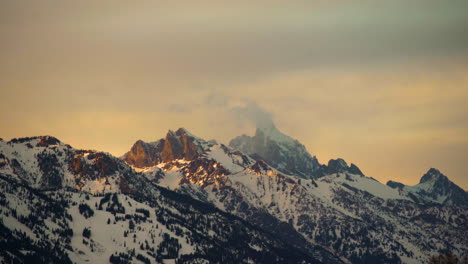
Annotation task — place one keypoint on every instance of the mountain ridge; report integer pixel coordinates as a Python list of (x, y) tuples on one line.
[(101, 206), (252, 190), (285, 153), (342, 216)]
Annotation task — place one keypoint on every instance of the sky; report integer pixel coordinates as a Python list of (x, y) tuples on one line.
[(382, 84)]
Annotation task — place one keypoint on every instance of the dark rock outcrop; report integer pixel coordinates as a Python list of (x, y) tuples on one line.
[(46, 141), (395, 185), (280, 151), (260, 167), (433, 175), (340, 166)]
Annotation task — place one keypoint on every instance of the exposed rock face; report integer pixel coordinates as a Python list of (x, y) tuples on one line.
[(204, 172), (144, 154), (177, 145), (260, 167), (433, 175), (288, 155), (280, 151), (395, 185), (93, 166), (46, 141), (339, 165), (180, 145)]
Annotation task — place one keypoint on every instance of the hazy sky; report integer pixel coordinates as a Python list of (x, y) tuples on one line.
[(382, 84)]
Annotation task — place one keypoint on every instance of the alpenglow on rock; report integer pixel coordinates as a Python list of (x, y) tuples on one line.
[(180, 144), (280, 151)]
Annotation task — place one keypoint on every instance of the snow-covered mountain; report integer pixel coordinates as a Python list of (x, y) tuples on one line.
[(47, 163), (358, 218), (59, 204), (281, 151), (434, 187), (287, 154), (185, 199)]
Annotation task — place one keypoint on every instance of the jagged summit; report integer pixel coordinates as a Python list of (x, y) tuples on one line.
[(179, 144), (274, 134), (432, 175), (144, 154), (340, 165), (280, 151), (287, 155), (434, 186)]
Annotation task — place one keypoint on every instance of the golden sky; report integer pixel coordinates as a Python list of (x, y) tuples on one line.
[(382, 84)]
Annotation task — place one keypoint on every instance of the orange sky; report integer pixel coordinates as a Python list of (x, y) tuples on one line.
[(384, 87)]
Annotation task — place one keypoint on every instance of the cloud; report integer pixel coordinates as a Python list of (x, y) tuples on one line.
[(216, 100), (179, 108), (252, 113)]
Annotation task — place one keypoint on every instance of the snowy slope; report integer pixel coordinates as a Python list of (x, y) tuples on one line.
[(369, 219), (354, 216), (220, 205), (47, 163), (129, 221)]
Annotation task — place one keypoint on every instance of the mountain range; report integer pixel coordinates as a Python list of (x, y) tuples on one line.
[(183, 199)]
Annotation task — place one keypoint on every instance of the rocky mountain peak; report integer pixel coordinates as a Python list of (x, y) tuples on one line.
[(179, 144), (183, 132), (270, 132), (280, 151), (144, 154), (435, 187), (339, 165), (432, 175)]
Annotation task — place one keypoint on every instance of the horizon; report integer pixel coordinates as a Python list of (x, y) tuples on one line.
[(381, 85)]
